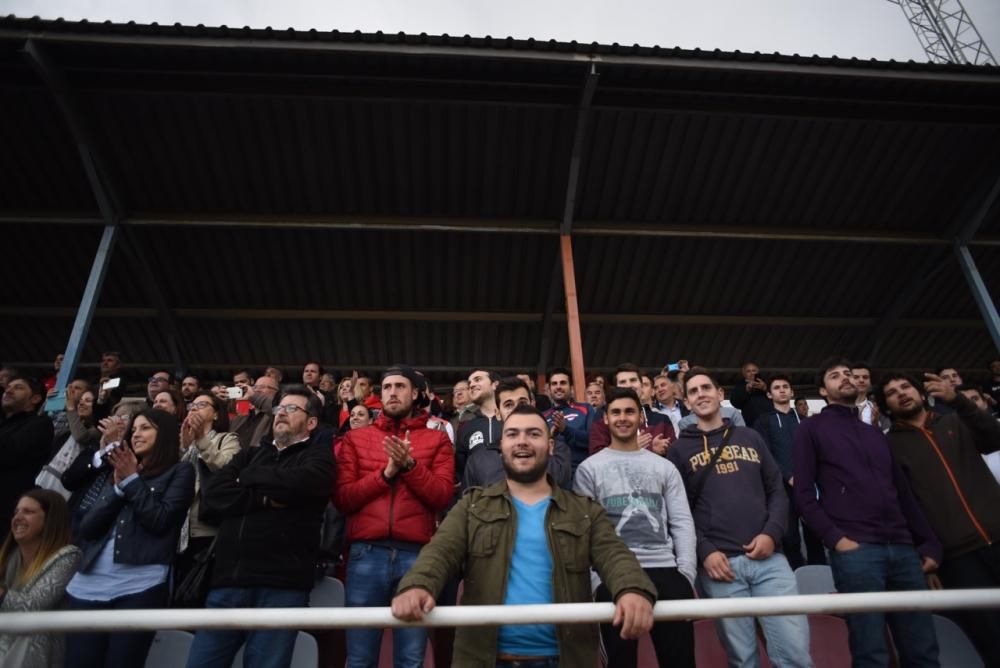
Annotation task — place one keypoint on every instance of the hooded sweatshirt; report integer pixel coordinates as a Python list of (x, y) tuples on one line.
[(949, 477), (778, 431), (742, 495)]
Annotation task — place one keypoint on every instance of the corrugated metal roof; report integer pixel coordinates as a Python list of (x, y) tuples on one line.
[(396, 135)]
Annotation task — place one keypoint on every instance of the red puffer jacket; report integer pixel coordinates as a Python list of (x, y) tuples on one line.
[(406, 509)]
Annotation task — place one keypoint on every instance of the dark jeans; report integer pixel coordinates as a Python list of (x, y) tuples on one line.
[(113, 650), (791, 542), (270, 649), (980, 568), (874, 568), (674, 641)]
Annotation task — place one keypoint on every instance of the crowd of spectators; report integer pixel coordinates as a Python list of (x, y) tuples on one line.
[(241, 492)]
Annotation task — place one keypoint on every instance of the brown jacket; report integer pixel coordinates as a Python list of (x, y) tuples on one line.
[(477, 539), (956, 490)]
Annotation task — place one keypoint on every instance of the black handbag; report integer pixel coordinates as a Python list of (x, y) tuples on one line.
[(192, 591)]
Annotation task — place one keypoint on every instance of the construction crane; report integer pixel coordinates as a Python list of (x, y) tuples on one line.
[(946, 32)]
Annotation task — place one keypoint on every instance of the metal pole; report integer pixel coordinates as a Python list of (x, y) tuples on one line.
[(573, 318), (84, 316), (979, 292), (488, 615)]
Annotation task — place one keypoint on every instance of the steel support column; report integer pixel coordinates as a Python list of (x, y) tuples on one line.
[(573, 318), (84, 315), (979, 292), (566, 242)]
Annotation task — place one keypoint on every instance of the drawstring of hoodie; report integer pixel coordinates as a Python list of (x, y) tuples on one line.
[(704, 438)]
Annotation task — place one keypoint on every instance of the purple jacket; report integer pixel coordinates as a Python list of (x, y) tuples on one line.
[(863, 493)]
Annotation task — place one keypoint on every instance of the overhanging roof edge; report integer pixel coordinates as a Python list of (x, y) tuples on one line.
[(522, 50)]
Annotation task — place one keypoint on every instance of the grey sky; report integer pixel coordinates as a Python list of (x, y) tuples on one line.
[(846, 28)]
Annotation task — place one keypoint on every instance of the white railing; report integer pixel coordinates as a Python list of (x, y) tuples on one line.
[(563, 613)]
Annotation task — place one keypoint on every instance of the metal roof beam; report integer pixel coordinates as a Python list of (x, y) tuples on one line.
[(522, 226), (968, 230), (979, 292), (959, 234), (677, 319), (310, 44), (112, 211)]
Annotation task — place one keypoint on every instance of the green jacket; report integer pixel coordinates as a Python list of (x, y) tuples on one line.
[(477, 539)]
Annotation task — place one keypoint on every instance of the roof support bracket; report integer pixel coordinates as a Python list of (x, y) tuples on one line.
[(963, 234), (985, 303)]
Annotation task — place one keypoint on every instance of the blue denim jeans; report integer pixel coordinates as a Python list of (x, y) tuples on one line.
[(264, 649), (96, 650), (877, 567), (373, 573), (787, 637)]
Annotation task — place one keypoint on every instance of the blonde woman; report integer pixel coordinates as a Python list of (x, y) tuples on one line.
[(36, 563)]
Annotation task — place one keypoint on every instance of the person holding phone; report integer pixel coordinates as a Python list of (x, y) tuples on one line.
[(129, 536)]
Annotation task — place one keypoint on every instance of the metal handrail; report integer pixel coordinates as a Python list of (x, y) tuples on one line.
[(479, 615)]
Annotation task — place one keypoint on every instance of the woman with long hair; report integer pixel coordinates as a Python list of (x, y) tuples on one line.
[(86, 476), (36, 562), (82, 434), (207, 445), (129, 536)]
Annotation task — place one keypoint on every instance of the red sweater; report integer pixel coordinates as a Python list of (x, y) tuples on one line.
[(405, 509)]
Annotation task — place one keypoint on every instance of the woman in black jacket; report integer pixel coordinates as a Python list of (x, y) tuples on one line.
[(128, 537)]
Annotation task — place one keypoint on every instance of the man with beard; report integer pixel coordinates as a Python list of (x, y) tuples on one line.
[(190, 387), (568, 418), (645, 498), (865, 513), (394, 477), (485, 467), (253, 427), (502, 538), (25, 441), (271, 500), (941, 456)]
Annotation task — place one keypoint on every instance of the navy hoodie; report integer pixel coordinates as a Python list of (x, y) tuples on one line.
[(742, 495), (778, 431)]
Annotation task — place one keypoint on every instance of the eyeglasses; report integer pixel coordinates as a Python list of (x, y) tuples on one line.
[(198, 405), (291, 409), (158, 379)]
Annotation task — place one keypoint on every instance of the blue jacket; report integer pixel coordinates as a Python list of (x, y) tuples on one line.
[(146, 522), (863, 493), (579, 417), (778, 430)]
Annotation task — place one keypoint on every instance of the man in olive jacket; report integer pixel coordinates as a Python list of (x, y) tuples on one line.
[(524, 540)]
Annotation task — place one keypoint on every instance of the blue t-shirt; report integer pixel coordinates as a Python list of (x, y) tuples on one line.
[(529, 581)]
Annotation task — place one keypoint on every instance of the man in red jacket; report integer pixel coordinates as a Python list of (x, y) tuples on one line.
[(393, 478)]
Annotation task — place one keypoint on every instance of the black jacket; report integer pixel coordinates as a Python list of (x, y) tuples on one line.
[(485, 467), (25, 446), (478, 431), (145, 523), (271, 504)]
